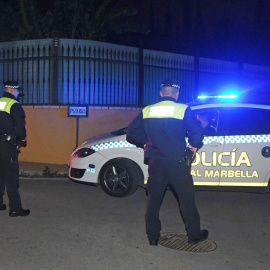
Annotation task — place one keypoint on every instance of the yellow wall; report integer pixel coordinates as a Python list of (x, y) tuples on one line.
[(51, 134)]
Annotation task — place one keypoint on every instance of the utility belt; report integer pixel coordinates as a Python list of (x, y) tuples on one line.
[(188, 157), (9, 138)]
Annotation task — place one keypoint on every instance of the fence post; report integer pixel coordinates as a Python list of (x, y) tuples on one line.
[(241, 79), (240, 73), (55, 72), (141, 77), (196, 76)]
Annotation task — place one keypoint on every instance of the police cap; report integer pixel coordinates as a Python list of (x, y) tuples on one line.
[(171, 83), (13, 85)]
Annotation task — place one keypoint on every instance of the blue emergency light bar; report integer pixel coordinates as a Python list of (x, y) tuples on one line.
[(232, 96)]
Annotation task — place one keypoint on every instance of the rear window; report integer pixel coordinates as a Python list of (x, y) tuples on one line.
[(244, 121)]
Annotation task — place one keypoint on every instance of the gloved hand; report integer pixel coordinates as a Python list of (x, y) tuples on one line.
[(193, 149), (23, 143)]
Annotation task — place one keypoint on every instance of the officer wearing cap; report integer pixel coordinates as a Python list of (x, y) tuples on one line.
[(161, 129), (12, 134)]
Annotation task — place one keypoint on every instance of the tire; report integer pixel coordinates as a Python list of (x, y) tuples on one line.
[(120, 177)]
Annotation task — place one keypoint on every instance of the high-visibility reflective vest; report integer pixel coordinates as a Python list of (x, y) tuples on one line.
[(165, 109), (6, 104)]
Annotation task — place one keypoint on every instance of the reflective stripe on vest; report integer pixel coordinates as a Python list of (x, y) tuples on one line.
[(165, 109), (6, 104)]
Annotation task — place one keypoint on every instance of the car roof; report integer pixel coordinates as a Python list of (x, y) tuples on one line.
[(194, 106)]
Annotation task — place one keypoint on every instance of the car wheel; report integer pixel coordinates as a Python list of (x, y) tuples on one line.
[(120, 177)]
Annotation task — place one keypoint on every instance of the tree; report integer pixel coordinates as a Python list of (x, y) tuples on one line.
[(198, 31), (82, 19), (20, 20), (94, 19)]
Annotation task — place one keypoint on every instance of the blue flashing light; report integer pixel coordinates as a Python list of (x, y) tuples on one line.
[(231, 96)]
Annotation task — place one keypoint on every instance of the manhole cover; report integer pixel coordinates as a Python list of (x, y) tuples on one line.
[(179, 241)]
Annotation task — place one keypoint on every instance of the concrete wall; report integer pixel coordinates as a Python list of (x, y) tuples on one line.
[(51, 134)]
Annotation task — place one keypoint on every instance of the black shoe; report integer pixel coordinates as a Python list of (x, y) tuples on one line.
[(21, 213), (204, 236), (153, 242), (3, 207)]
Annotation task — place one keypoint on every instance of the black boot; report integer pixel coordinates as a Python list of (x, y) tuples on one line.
[(204, 236), (21, 213), (3, 207), (153, 242)]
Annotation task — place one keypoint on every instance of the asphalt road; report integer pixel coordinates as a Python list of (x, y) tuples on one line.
[(74, 226)]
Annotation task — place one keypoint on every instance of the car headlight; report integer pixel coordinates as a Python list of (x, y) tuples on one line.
[(83, 152)]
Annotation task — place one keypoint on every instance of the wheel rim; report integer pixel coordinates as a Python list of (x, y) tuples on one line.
[(116, 179)]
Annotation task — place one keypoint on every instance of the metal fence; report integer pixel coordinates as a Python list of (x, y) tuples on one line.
[(97, 73), (31, 63), (63, 72)]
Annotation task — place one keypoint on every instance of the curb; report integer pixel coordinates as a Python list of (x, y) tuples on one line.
[(44, 178), (40, 174)]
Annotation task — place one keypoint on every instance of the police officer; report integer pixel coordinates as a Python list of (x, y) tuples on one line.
[(161, 129), (12, 133), (208, 129)]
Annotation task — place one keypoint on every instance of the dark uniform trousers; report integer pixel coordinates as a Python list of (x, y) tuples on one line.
[(9, 175), (164, 172)]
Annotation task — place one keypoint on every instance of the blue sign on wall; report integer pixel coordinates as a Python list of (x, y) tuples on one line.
[(78, 111)]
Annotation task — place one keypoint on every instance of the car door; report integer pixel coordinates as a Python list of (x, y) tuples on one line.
[(245, 161), (206, 168)]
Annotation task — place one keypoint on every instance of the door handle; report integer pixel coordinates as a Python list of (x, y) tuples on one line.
[(214, 144)]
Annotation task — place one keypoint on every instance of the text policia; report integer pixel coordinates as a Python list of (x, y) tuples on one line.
[(217, 159)]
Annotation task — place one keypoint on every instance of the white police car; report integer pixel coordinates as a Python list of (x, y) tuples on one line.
[(237, 155)]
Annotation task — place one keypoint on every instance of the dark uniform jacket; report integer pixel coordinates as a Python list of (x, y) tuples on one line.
[(209, 130), (163, 127), (13, 123)]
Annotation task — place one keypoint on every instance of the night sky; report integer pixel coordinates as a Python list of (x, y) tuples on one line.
[(236, 30), (240, 12)]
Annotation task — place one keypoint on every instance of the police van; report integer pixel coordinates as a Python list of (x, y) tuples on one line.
[(236, 153)]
